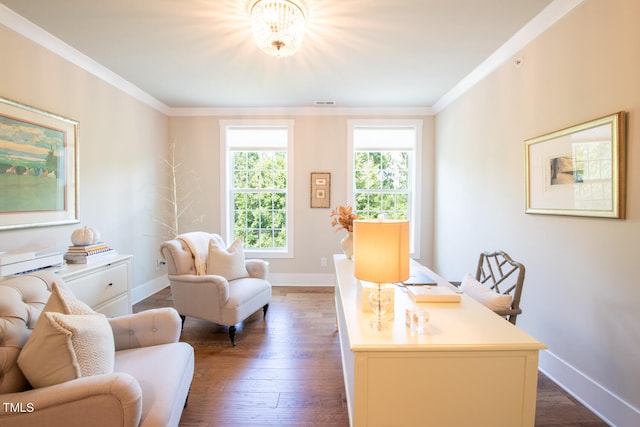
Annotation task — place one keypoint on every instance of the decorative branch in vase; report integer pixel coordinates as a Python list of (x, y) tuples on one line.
[(342, 218)]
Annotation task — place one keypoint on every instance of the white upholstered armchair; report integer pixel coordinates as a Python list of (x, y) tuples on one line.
[(212, 282), (139, 372)]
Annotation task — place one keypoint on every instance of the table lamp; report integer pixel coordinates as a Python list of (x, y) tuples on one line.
[(381, 255)]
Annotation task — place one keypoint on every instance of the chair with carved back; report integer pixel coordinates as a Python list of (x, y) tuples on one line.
[(497, 284), (500, 273)]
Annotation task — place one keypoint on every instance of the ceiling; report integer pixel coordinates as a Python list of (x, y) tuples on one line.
[(356, 53)]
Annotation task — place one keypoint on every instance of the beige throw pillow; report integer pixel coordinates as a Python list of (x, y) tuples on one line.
[(227, 262), (69, 341), (61, 301), (488, 297)]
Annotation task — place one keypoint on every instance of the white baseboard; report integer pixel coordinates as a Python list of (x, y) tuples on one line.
[(599, 400), (138, 293)]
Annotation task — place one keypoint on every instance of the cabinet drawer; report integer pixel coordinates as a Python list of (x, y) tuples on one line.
[(115, 308), (100, 286)]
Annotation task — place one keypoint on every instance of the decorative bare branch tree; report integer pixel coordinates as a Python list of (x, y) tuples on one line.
[(180, 195)]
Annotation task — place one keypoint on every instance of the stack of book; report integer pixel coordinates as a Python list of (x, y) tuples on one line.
[(84, 254)]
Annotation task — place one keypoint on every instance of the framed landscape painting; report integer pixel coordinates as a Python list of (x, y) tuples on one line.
[(578, 171), (38, 167)]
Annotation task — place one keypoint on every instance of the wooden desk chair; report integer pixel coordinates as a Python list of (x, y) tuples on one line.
[(501, 274), (505, 276)]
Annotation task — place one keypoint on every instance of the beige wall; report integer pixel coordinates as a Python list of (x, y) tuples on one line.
[(320, 145), (123, 179), (581, 294), (120, 140)]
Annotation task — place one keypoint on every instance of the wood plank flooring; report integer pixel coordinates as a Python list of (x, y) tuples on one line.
[(286, 369)]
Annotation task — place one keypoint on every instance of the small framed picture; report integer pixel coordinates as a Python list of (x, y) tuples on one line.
[(320, 189)]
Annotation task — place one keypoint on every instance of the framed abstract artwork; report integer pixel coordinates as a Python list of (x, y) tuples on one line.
[(320, 189), (38, 167), (580, 170)]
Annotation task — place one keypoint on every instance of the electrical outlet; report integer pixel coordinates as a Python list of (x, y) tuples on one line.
[(159, 263), (323, 262)]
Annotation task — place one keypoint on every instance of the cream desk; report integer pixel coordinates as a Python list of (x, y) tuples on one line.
[(472, 368)]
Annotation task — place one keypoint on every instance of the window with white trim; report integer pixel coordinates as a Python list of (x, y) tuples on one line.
[(384, 178), (256, 169)]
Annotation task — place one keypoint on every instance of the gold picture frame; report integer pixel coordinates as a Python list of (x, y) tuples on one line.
[(38, 167), (320, 189), (578, 171)]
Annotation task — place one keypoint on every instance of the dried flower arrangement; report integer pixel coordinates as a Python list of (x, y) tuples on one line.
[(342, 217)]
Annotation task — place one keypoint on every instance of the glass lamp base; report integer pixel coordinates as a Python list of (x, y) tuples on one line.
[(379, 303)]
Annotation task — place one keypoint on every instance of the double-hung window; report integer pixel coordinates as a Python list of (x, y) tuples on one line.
[(384, 173), (256, 164)]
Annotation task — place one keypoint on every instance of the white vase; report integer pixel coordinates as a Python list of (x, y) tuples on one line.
[(347, 244)]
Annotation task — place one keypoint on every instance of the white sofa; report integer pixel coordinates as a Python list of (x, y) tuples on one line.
[(149, 385)]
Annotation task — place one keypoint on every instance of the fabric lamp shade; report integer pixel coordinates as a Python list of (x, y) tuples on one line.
[(381, 250)]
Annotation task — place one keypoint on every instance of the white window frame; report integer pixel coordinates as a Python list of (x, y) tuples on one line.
[(226, 180), (415, 170)]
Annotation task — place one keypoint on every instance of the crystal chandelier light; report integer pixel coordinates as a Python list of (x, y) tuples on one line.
[(278, 26)]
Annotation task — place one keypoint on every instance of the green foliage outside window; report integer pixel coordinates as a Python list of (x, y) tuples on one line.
[(260, 198), (381, 184)]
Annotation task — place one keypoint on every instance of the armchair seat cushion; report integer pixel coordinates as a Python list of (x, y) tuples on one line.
[(245, 297), (162, 405)]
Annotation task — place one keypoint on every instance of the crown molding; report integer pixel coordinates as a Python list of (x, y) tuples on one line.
[(28, 29), (550, 15), (300, 111), (538, 25), (31, 31)]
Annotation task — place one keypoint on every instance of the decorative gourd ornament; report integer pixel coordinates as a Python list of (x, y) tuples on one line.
[(85, 236)]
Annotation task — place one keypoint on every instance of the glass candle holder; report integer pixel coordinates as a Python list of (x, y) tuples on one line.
[(417, 320)]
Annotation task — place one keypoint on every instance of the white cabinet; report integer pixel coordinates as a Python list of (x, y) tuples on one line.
[(104, 285)]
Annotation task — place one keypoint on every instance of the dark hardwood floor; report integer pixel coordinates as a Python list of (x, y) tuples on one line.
[(286, 370)]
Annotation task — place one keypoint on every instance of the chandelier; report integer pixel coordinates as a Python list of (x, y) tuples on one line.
[(278, 26)]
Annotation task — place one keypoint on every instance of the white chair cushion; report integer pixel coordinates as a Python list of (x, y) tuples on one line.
[(227, 262), (155, 367), (484, 295), (245, 297)]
